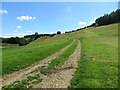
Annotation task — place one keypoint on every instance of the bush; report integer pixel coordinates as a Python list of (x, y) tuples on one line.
[(16, 40), (58, 32), (22, 42)]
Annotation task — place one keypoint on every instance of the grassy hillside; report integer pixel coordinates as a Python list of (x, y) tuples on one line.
[(16, 58), (33, 77), (98, 67)]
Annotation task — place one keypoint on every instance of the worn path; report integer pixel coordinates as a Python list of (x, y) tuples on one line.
[(19, 75), (62, 76)]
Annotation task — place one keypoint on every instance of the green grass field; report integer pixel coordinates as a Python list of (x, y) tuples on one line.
[(63, 57), (98, 67), (46, 70), (16, 58)]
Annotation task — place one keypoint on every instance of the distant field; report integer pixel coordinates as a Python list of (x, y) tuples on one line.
[(98, 67), (16, 58)]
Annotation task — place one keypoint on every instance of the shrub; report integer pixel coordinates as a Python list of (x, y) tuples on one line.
[(58, 32)]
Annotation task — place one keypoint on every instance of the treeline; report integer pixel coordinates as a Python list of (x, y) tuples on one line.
[(15, 40), (39, 35), (36, 35), (111, 18), (26, 39), (20, 41)]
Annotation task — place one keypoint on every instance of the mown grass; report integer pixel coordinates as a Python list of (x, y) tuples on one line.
[(46, 70), (17, 58), (60, 60), (6, 45), (57, 62), (25, 83), (0, 62), (98, 67)]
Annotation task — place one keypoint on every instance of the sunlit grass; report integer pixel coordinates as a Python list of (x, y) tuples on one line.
[(20, 57), (98, 67)]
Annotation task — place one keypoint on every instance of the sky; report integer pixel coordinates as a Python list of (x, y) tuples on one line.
[(24, 18)]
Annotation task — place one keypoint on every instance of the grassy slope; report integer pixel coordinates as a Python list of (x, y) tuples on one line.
[(98, 67), (0, 60), (60, 60), (46, 70), (16, 58)]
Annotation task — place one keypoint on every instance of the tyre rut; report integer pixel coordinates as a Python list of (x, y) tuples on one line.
[(62, 76), (19, 75)]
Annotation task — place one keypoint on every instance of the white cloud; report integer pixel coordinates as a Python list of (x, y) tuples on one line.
[(13, 35), (69, 9), (82, 23), (82, 26), (86, 24), (21, 18), (3, 11), (18, 26), (93, 21), (75, 28), (29, 31), (15, 31), (49, 32)]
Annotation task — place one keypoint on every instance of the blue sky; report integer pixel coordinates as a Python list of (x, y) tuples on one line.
[(21, 18)]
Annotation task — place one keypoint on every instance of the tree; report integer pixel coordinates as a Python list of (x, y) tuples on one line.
[(58, 32), (22, 42), (111, 18), (36, 33)]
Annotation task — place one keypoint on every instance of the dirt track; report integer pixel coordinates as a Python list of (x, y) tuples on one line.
[(62, 76), (19, 75)]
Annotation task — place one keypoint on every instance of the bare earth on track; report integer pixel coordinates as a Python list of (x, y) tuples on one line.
[(62, 76), (19, 75)]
